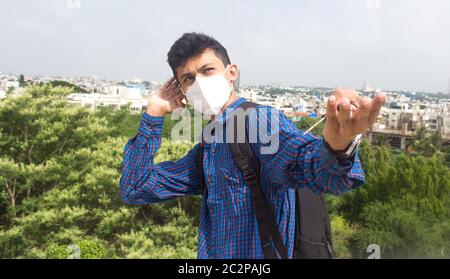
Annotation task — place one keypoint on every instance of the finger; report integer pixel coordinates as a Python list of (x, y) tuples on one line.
[(174, 92), (377, 103), (344, 112), (364, 109), (349, 93), (170, 91), (332, 108), (178, 101), (173, 85), (176, 95)]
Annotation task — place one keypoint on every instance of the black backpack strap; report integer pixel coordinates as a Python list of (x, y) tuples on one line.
[(198, 160), (247, 162)]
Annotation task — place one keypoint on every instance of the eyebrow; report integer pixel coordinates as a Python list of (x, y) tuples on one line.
[(198, 70)]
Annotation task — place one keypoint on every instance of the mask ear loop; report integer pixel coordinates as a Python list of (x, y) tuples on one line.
[(184, 100), (226, 69), (232, 83)]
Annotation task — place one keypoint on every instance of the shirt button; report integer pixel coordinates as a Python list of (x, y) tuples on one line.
[(209, 178)]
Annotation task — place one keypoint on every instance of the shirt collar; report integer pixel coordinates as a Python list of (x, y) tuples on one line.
[(222, 117)]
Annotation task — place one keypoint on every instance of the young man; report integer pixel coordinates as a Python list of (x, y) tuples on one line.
[(204, 76)]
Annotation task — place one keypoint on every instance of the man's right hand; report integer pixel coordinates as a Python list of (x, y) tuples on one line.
[(166, 99)]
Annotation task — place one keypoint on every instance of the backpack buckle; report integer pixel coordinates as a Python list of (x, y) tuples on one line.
[(250, 176)]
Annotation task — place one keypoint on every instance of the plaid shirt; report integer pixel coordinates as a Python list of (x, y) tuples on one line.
[(228, 227)]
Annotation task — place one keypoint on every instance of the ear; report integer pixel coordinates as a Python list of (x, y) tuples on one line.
[(233, 72)]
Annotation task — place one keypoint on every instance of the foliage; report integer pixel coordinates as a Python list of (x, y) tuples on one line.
[(59, 172), (307, 122), (59, 185), (404, 206), (71, 86), (342, 233), (425, 144)]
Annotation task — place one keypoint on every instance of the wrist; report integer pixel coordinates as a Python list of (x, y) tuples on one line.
[(154, 110), (338, 146), (347, 152)]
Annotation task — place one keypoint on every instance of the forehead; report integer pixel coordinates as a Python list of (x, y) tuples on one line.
[(195, 63)]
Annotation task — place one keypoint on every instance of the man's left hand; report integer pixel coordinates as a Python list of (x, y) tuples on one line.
[(349, 115)]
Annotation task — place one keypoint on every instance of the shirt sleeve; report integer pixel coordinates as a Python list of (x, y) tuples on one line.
[(144, 182), (301, 160)]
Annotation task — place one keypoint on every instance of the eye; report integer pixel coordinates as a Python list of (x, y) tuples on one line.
[(207, 70), (188, 79)]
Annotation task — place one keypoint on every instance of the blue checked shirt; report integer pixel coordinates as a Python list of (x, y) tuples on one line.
[(228, 227)]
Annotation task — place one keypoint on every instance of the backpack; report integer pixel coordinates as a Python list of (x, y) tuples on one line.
[(313, 238)]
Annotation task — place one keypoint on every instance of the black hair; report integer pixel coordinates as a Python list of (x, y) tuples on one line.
[(192, 44)]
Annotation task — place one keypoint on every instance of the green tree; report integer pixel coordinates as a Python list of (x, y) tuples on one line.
[(59, 186), (9, 90), (60, 167), (307, 122), (436, 142), (66, 84), (403, 207), (425, 144), (383, 140)]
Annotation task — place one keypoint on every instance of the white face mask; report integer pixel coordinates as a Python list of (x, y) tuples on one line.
[(209, 94)]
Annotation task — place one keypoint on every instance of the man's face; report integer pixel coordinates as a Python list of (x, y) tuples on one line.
[(204, 64)]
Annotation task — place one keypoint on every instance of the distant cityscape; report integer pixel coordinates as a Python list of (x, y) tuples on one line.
[(403, 114)]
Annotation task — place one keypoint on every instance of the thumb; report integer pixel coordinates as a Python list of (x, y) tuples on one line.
[(332, 108)]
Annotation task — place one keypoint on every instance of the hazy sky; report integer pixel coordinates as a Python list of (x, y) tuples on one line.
[(398, 44)]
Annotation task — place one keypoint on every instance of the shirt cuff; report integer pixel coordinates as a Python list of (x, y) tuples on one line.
[(151, 125), (337, 165)]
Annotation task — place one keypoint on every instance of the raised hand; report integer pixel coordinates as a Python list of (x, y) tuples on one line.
[(349, 115), (166, 99)]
